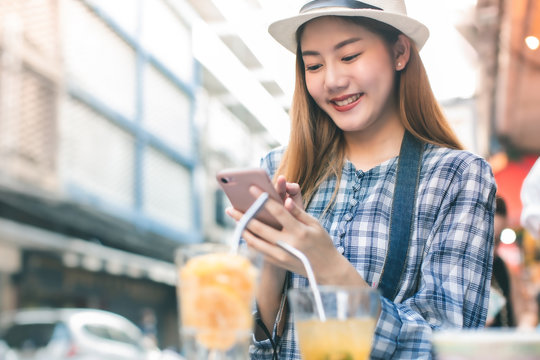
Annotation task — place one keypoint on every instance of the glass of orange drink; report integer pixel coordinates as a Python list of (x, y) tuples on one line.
[(346, 332), (216, 291)]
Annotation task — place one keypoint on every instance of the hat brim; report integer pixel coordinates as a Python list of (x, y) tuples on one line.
[(284, 31)]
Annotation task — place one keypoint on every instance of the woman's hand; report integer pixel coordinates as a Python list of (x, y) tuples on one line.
[(303, 232), (289, 190)]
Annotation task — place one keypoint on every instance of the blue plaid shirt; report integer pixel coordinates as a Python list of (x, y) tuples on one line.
[(448, 268)]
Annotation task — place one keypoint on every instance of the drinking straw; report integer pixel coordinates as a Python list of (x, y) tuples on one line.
[(244, 220), (237, 237), (310, 275)]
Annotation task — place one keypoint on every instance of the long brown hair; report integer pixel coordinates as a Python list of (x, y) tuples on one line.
[(316, 149)]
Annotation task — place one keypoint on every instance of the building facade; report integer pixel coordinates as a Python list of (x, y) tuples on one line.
[(110, 133)]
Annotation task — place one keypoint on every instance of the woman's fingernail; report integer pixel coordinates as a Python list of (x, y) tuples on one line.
[(254, 190)]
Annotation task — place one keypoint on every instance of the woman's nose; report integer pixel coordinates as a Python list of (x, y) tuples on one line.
[(334, 79)]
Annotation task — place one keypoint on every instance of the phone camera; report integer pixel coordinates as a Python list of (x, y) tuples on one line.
[(224, 180)]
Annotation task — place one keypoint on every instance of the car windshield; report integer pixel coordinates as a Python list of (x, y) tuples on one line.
[(110, 333), (29, 335)]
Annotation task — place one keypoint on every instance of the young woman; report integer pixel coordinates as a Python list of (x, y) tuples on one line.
[(362, 105)]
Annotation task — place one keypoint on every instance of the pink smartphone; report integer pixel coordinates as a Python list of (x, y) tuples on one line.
[(236, 182)]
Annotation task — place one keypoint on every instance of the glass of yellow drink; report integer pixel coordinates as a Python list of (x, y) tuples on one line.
[(216, 290), (346, 332)]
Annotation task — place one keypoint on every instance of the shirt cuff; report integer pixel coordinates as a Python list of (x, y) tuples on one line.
[(530, 219)]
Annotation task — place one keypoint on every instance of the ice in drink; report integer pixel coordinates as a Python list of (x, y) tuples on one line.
[(216, 299)]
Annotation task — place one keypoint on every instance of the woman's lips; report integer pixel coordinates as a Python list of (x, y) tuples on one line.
[(346, 103)]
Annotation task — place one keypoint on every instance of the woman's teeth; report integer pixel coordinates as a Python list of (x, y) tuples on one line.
[(347, 101)]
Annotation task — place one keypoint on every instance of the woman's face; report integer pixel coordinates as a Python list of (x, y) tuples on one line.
[(349, 73)]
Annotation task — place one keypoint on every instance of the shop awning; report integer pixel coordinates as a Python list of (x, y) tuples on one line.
[(85, 254)]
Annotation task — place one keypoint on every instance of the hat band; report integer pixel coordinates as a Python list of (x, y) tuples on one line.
[(351, 4)]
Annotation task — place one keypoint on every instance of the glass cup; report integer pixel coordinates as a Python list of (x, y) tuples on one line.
[(486, 344), (215, 291), (346, 333)]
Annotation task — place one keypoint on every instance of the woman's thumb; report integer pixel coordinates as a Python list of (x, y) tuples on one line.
[(297, 212)]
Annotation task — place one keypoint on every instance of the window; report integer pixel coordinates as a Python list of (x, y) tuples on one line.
[(167, 191), (167, 38), (126, 123), (109, 333), (24, 336), (167, 110), (96, 154), (98, 60)]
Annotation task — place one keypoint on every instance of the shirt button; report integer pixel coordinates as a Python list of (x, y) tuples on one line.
[(348, 216), (340, 249)]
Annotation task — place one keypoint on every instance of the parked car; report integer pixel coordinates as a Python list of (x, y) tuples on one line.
[(74, 334), (5, 352)]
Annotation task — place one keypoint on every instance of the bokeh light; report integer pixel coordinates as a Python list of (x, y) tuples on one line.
[(508, 236), (532, 42)]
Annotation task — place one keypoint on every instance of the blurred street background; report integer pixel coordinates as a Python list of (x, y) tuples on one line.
[(115, 116)]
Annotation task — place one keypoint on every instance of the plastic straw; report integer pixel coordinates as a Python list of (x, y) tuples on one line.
[(311, 276), (237, 237), (244, 220)]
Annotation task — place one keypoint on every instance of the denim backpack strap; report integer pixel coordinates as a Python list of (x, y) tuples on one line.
[(407, 178)]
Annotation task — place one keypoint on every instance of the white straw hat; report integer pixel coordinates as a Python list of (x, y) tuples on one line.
[(391, 12)]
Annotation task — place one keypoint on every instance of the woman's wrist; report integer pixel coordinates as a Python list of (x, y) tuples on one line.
[(272, 277), (340, 272)]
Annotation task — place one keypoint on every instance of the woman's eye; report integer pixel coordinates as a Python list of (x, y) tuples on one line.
[(313, 67), (351, 57)]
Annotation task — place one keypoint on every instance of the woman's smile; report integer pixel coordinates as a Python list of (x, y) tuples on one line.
[(347, 102)]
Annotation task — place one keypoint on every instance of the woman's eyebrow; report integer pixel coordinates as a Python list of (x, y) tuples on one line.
[(310, 52), (346, 42), (336, 47)]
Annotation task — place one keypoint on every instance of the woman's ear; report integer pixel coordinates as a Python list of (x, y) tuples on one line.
[(402, 52)]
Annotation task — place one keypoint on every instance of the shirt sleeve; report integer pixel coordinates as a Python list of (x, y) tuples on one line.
[(455, 273), (271, 160), (530, 198)]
